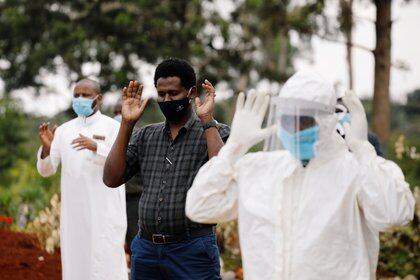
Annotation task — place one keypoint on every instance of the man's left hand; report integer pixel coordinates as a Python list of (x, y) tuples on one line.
[(84, 142), (205, 110)]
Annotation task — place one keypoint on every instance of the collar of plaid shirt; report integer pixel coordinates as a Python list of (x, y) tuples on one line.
[(187, 126)]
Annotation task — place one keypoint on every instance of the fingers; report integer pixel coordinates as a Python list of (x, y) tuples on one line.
[(352, 101), (80, 147), (77, 140), (139, 92), (80, 139), (135, 88), (250, 100), (266, 132), (259, 100), (198, 102), (130, 89), (264, 106), (44, 127), (124, 93), (240, 101), (208, 87), (80, 144), (143, 105)]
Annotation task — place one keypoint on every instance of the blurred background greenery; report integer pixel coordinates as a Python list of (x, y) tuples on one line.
[(252, 44)]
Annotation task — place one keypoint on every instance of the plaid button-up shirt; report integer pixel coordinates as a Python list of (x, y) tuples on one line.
[(167, 169)]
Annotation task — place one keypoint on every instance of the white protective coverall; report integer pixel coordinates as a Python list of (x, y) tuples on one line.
[(321, 221), (93, 216)]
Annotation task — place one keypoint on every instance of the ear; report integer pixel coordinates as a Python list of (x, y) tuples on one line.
[(193, 92), (98, 102)]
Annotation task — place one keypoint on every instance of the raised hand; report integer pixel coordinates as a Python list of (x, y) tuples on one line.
[(205, 110), (358, 127), (46, 136), (132, 105), (247, 130), (82, 142)]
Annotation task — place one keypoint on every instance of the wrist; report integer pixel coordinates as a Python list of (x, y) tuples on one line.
[(45, 151), (206, 118), (128, 124), (210, 124)]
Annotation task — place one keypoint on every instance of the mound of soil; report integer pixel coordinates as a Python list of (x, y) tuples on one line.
[(22, 258)]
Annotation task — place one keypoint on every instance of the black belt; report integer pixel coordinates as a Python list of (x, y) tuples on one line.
[(158, 238)]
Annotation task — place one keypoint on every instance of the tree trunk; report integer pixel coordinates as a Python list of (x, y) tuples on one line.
[(349, 40), (382, 54), (282, 56)]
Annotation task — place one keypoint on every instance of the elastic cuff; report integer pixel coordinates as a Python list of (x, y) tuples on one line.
[(364, 151), (102, 149), (231, 152)]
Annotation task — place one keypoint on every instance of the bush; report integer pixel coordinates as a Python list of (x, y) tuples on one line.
[(400, 248)]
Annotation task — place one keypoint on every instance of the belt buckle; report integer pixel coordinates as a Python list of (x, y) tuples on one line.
[(158, 238)]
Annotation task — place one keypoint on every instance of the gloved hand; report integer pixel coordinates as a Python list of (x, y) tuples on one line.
[(357, 130), (246, 130), (358, 123)]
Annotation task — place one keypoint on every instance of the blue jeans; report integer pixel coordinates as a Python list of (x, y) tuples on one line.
[(195, 259)]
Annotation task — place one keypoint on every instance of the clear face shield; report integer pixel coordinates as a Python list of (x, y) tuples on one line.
[(298, 126)]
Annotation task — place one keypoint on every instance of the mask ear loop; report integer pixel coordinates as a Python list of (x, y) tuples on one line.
[(339, 115), (188, 95), (95, 102)]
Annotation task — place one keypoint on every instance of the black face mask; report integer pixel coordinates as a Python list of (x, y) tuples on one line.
[(175, 110)]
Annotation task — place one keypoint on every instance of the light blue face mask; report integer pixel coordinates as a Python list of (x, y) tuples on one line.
[(345, 118), (300, 144), (83, 106)]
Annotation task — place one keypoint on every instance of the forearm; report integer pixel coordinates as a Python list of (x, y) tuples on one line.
[(115, 163), (212, 197), (384, 195), (45, 152), (44, 164), (214, 141)]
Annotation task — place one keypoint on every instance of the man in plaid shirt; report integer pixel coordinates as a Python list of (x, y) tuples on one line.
[(167, 156)]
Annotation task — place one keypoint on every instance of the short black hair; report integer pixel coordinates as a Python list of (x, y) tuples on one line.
[(175, 67)]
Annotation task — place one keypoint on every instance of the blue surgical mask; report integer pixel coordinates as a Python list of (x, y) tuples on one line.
[(345, 118), (300, 144), (83, 106)]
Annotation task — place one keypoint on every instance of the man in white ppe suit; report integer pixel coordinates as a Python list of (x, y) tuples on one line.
[(93, 216), (314, 209)]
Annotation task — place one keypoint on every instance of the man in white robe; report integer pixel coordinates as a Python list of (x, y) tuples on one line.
[(93, 216)]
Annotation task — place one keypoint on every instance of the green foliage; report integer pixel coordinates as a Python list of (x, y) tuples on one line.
[(48, 34), (409, 164), (266, 27), (400, 247), (399, 251), (12, 135), (26, 188), (36, 35)]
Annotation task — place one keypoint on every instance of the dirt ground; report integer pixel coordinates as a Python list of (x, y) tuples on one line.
[(22, 258)]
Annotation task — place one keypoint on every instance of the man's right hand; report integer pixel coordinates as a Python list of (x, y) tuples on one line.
[(46, 136), (132, 105)]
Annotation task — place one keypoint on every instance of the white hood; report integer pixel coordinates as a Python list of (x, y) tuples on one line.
[(309, 86)]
